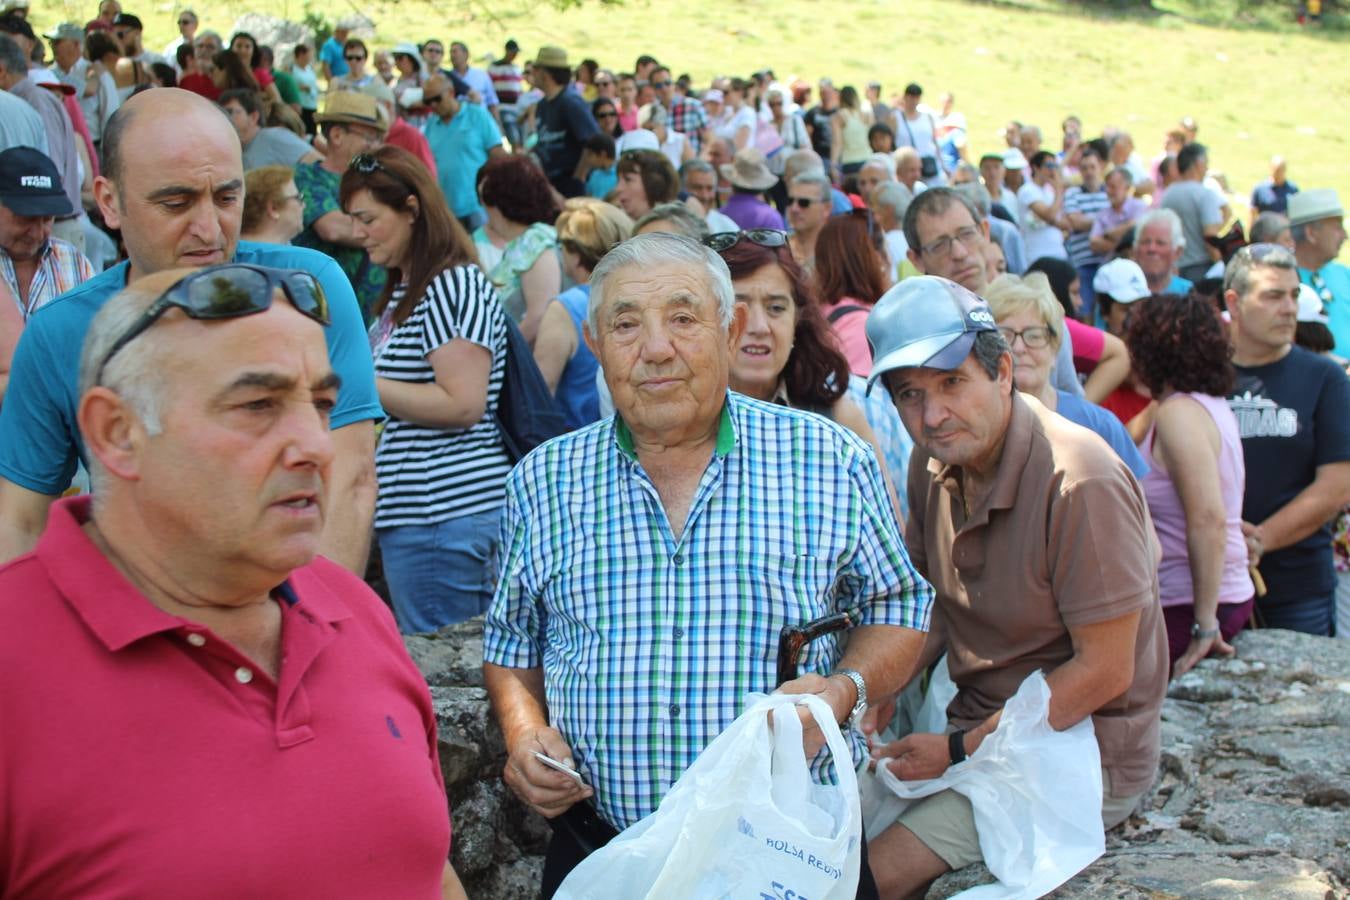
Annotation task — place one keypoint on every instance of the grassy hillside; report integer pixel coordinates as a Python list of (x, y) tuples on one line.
[(1259, 87)]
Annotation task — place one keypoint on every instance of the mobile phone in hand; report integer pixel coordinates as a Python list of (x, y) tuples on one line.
[(554, 764)]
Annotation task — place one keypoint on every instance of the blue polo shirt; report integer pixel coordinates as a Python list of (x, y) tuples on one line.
[(460, 148), (39, 437), (332, 53), (1333, 279)]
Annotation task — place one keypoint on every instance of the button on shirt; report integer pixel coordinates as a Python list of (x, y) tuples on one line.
[(63, 267), (649, 644)]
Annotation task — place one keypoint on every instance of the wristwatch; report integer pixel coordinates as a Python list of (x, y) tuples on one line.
[(1203, 633), (855, 714)]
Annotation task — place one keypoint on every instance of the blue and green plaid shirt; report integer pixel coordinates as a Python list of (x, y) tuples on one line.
[(649, 644)]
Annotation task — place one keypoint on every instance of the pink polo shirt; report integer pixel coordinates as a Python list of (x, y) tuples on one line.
[(141, 755)]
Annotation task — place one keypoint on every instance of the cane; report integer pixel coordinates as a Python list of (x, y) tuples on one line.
[(792, 640)]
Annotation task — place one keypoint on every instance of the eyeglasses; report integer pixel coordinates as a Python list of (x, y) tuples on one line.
[(607, 115), (185, 22), (355, 57), (968, 237), (764, 237), (660, 85), (805, 202), (433, 99), (1035, 338), (228, 292)]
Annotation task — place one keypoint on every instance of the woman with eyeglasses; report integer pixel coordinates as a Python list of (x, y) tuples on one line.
[(850, 276), (439, 341), (786, 354), (518, 245), (273, 208), (1196, 477), (587, 230), (1032, 322), (606, 114)]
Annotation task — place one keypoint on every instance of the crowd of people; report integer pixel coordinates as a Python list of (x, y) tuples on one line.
[(1046, 405)]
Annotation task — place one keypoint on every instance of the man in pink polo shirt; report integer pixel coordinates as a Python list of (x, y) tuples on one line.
[(195, 704)]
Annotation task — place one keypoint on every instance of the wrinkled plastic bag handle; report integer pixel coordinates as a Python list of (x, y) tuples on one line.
[(787, 743)]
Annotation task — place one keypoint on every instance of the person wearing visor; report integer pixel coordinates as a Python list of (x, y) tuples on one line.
[(187, 597), (1036, 540)]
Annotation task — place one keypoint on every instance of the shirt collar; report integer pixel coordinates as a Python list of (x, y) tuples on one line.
[(726, 433), (112, 608)]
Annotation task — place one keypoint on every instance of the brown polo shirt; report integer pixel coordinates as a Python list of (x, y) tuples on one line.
[(1061, 541)]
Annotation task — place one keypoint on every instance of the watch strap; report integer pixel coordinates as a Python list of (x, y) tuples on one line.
[(956, 746), (860, 686)]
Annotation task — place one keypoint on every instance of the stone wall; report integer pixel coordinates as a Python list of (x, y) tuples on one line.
[(1253, 798)]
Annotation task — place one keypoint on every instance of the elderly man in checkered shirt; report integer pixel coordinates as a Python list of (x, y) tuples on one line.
[(648, 562)]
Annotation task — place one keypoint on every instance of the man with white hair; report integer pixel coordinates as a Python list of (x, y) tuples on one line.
[(889, 202), (186, 595), (1317, 225), (809, 206), (908, 169), (876, 170), (1158, 244), (622, 656)]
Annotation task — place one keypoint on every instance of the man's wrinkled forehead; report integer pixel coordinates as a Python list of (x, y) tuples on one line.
[(632, 289)]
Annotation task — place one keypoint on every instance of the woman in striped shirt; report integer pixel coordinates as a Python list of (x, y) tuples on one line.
[(439, 341)]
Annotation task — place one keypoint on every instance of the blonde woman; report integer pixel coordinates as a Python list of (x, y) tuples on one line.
[(587, 230)]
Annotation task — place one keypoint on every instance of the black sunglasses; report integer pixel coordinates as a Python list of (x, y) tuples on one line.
[(355, 58), (433, 99), (366, 164), (228, 292), (764, 237), (658, 85), (804, 202), (607, 115)]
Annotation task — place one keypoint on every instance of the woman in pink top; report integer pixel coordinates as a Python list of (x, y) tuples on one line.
[(1196, 475), (850, 277)]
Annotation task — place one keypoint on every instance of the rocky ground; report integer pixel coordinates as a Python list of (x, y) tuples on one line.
[(1253, 798)]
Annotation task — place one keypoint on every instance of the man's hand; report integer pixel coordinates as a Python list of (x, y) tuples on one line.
[(837, 690), (916, 757), (546, 791), (1255, 543)]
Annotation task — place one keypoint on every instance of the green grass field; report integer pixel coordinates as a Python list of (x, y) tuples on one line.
[(1255, 82)]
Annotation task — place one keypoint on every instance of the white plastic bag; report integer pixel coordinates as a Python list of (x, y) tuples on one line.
[(1036, 794), (745, 820)]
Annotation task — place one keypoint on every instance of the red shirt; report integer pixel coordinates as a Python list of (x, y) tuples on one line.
[(401, 134), (1125, 403), (141, 755), (200, 84)]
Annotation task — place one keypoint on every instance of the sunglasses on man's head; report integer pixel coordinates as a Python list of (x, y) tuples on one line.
[(764, 237), (227, 292)]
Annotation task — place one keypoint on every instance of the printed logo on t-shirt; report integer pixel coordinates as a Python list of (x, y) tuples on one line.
[(1262, 417)]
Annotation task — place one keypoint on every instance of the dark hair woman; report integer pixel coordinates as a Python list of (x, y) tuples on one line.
[(786, 353), (646, 180), (849, 279), (1196, 476), (606, 113), (440, 355), (518, 247)]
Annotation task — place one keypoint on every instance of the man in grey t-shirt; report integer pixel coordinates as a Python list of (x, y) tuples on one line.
[(263, 146), (1200, 211)]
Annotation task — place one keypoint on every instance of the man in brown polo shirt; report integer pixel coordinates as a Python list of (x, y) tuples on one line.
[(1036, 540)]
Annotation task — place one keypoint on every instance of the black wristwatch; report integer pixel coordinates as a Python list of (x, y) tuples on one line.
[(956, 746)]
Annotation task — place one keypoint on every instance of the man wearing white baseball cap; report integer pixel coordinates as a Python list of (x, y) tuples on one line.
[(1118, 284), (1035, 537), (1318, 228)]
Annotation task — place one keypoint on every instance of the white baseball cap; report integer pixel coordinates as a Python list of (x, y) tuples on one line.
[(1122, 280)]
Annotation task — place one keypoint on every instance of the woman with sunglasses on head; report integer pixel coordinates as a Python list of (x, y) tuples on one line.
[(518, 246), (1032, 322), (587, 230), (786, 354), (439, 341), (850, 276), (1197, 475)]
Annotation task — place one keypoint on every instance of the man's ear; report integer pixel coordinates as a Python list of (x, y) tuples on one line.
[(112, 432), (739, 314), (105, 195)]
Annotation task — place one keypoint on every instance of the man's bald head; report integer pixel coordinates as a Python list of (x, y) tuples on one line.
[(162, 104)]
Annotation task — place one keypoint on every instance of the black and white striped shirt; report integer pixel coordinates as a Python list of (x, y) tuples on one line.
[(428, 475)]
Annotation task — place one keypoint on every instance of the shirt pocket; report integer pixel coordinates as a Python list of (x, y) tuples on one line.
[(776, 590)]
